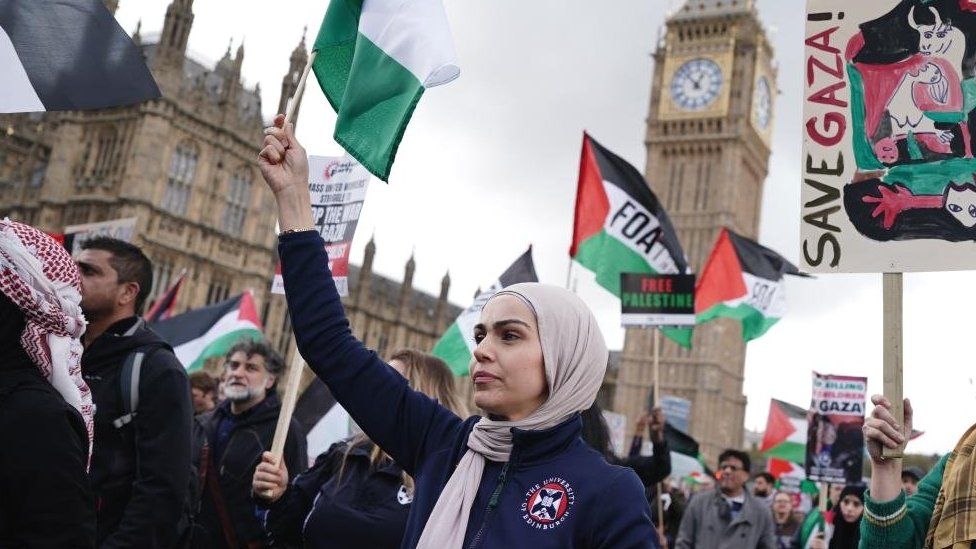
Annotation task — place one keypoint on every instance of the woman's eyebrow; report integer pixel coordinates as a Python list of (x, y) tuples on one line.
[(503, 323)]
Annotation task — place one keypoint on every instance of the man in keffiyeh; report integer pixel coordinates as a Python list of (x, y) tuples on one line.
[(45, 407)]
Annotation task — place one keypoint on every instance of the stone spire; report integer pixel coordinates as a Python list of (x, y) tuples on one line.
[(176, 30), (296, 65)]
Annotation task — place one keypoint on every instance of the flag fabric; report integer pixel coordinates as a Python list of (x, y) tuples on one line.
[(456, 346), (620, 226), (814, 524), (786, 432), (743, 280), (323, 420), (373, 60), (68, 55), (163, 308), (210, 331)]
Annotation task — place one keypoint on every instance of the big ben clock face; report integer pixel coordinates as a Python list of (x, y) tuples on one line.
[(696, 84), (762, 103)]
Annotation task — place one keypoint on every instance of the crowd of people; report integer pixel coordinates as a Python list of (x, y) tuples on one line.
[(117, 447)]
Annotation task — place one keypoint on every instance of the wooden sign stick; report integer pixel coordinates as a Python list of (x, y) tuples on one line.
[(657, 402), (892, 355), (292, 379)]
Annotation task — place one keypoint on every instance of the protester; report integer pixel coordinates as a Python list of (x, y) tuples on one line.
[(727, 517), (938, 515), (354, 495), (674, 501), (763, 486), (140, 468), (203, 389), (847, 522), (520, 477), (910, 478), (239, 431), (786, 526), (45, 407), (650, 469)]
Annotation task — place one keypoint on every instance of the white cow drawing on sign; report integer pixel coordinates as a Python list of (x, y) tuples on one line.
[(940, 39), (906, 115)]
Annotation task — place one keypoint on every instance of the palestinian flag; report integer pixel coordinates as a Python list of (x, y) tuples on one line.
[(68, 55), (743, 280), (786, 432), (456, 346), (211, 331), (620, 226), (814, 525), (322, 419), (374, 59), (163, 308)]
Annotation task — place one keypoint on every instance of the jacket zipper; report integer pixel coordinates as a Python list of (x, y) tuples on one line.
[(495, 496)]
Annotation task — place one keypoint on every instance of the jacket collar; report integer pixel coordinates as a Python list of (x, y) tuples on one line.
[(262, 411), (546, 443), (746, 514)]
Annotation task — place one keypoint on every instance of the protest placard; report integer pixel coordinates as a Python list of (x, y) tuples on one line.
[(888, 161), (835, 442), (648, 300), (76, 235), (338, 189)]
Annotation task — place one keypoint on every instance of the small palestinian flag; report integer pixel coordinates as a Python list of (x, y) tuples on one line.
[(743, 280), (322, 419), (620, 226), (374, 59), (163, 308), (210, 331), (68, 55), (456, 346), (786, 432), (814, 525)]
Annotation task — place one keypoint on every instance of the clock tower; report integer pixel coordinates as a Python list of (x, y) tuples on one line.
[(708, 139)]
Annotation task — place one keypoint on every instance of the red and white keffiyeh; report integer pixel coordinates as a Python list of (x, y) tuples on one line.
[(39, 276)]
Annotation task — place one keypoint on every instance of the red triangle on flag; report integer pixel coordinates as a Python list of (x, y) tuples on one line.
[(721, 279), (779, 467), (778, 428), (248, 310), (592, 204)]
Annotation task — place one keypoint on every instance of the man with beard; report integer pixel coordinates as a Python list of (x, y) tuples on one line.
[(763, 486), (239, 431), (140, 466)]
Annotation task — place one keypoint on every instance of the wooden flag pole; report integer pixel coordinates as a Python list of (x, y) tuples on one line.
[(657, 403), (892, 356), (296, 99), (293, 378)]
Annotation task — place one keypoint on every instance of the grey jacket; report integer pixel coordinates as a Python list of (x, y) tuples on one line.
[(707, 524)]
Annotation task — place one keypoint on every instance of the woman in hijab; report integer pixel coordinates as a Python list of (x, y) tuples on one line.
[(45, 497), (521, 477), (847, 521)]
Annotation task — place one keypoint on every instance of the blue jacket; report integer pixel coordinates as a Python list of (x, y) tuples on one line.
[(366, 506), (554, 492)]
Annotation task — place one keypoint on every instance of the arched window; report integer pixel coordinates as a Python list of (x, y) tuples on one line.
[(236, 201), (179, 182)]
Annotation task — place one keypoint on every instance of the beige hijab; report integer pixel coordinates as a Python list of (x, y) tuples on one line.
[(575, 358)]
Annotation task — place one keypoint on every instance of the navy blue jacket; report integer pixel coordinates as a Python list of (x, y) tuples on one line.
[(363, 506), (553, 492)]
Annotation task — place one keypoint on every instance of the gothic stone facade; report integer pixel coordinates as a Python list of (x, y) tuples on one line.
[(707, 157), (184, 166)]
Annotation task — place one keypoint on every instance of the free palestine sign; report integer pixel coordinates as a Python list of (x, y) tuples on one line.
[(657, 300)]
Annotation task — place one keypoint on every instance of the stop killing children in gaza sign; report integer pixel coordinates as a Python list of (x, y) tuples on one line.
[(889, 136), (338, 189)]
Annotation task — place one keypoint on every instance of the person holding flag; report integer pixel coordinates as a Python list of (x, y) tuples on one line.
[(520, 477)]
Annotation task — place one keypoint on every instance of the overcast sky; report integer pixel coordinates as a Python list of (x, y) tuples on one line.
[(489, 165)]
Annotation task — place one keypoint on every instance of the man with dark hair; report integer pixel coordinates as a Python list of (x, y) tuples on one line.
[(140, 467), (728, 517), (763, 487), (203, 389), (239, 430)]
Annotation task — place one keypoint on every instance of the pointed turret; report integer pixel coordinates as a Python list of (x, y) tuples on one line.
[(296, 65), (176, 30), (442, 302), (366, 272)]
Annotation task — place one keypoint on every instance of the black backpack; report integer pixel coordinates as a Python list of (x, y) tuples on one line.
[(199, 445)]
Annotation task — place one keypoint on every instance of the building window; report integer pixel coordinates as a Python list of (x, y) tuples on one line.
[(182, 167), (236, 202), (162, 278), (219, 290), (101, 157)]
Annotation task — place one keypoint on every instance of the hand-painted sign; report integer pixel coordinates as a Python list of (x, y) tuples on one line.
[(890, 106), (657, 300)]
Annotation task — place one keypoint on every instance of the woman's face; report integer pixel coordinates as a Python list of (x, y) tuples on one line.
[(851, 508), (509, 375)]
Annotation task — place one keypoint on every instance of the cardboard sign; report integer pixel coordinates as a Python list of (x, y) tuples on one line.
[(76, 235), (835, 442), (657, 300), (889, 136), (617, 424), (338, 189), (677, 410)]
